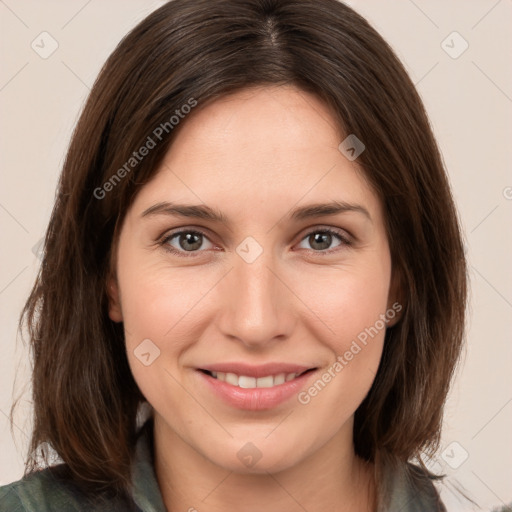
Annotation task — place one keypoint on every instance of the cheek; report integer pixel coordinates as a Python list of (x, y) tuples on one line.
[(347, 301), (350, 306), (163, 304), (156, 296), (158, 305)]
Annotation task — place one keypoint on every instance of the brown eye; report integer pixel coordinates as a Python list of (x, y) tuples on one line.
[(321, 240), (185, 241)]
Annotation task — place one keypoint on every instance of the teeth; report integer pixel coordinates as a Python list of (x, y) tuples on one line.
[(263, 382), (243, 381), (246, 382), (230, 378), (279, 379)]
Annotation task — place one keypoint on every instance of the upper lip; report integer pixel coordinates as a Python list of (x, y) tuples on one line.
[(256, 370)]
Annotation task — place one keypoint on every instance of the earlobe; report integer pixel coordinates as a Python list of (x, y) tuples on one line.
[(114, 303), (394, 313)]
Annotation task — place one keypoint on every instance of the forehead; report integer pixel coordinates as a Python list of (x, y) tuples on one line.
[(262, 126), (255, 149)]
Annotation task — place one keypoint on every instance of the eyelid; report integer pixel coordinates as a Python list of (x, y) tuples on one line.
[(345, 235)]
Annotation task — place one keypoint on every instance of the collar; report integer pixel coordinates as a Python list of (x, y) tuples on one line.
[(146, 492)]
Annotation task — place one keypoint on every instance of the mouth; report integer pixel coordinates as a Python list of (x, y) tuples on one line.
[(267, 388), (250, 382)]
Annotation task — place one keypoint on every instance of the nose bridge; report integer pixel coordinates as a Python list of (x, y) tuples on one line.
[(257, 310)]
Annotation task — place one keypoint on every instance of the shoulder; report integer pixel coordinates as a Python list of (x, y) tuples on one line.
[(41, 490), (412, 490), (48, 490)]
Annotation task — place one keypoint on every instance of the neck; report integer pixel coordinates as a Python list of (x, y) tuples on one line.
[(332, 475)]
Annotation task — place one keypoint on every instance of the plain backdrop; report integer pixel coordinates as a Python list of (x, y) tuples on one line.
[(458, 53)]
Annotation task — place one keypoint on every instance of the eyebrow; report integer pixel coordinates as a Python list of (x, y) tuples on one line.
[(205, 212)]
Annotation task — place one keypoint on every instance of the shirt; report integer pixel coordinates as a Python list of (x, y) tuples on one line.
[(42, 491)]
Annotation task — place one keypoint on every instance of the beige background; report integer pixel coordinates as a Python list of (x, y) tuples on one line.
[(469, 99)]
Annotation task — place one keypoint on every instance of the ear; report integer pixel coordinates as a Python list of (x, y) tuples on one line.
[(114, 303), (395, 299)]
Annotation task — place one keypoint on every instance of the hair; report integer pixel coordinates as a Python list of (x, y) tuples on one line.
[(84, 396)]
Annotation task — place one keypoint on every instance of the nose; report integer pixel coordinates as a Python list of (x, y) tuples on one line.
[(257, 305)]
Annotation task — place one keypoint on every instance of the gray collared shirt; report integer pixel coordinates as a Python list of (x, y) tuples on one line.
[(43, 491)]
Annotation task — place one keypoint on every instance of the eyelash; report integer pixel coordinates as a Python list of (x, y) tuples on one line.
[(191, 254)]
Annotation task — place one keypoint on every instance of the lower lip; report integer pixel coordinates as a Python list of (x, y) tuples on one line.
[(255, 399)]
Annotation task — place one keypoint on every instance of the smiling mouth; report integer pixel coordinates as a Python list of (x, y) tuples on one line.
[(247, 382)]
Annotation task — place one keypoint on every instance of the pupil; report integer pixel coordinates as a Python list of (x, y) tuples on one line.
[(324, 239), (188, 238)]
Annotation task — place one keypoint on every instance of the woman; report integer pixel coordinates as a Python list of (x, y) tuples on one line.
[(253, 288)]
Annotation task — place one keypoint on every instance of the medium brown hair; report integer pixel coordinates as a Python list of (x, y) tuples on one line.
[(85, 398)]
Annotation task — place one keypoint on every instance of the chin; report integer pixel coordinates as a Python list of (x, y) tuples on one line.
[(253, 457)]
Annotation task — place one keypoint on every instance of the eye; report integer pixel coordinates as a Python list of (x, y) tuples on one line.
[(185, 241), (321, 239), (192, 241)]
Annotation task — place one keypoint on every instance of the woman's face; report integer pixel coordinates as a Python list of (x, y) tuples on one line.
[(266, 285)]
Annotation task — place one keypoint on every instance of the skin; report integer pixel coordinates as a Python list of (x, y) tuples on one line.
[(255, 155)]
